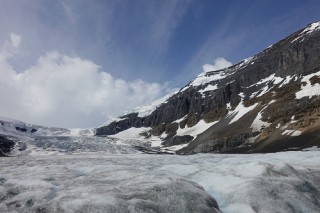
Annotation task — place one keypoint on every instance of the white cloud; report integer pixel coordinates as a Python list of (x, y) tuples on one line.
[(65, 91), (15, 39), (218, 63)]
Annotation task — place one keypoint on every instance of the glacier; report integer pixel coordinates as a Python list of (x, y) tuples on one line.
[(61, 170), (136, 182)]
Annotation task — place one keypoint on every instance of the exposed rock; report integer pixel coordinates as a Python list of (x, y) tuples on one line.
[(158, 130), (225, 144), (171, 128), (315, 80), (193, 120), (6, 146), (215, 115), (145, 134), (177, 140)]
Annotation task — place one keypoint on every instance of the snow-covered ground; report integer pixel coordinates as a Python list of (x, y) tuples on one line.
[(99, 182)]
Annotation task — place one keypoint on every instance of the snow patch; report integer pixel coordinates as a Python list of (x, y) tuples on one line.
[(176, 147), (287, 80), (195, 130), (179, 120), (111, 120), (205, 78), (309, 90), (258, 124), (241, 94), (308, 30), (155, 141), (240, 111), (296, 133), (208, 88), (292, 132), (254, 94), (313, 148), (263, 91), (245, 62), (228, 106), (272, 78), (131, 133)]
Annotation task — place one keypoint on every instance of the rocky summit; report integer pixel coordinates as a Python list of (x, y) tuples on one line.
[(269, 102)]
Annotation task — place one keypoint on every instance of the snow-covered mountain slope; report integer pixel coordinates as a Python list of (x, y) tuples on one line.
[(14, 128), (19, 129), (268, 102), (19, 138)]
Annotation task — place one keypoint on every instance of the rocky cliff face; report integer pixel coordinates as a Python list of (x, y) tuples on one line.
[(252, 106)]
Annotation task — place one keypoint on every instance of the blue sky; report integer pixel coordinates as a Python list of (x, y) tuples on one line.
[(162, 43)]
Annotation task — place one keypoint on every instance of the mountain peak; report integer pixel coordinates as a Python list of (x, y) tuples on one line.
[(251, 106)]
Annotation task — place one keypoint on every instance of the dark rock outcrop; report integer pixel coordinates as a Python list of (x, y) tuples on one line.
[(6, 146), (177, 140)]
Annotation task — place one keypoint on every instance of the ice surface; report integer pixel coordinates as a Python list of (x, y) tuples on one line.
[(279, 182), (79, 144), (95, 184), (81, 132)]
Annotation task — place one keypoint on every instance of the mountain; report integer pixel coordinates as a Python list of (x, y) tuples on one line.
[(17, 137), (267, 103)]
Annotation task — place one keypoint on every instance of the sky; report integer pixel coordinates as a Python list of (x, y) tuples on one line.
[(77, 63)]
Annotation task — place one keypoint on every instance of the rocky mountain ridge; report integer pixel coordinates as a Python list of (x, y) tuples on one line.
[(265, 103)]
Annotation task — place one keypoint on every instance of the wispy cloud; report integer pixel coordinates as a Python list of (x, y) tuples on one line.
[(68, 12), (164, 22)]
